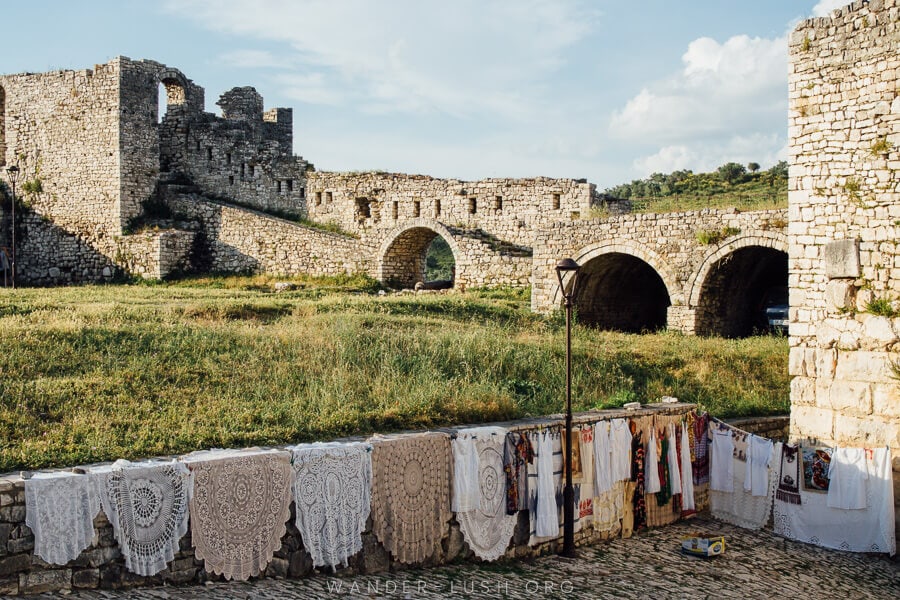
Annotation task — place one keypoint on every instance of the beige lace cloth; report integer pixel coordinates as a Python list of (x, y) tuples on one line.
[(239, 509), (411, 493)]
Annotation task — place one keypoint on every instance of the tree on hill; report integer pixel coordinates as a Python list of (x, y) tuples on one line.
[(731, 172), (753, 167)]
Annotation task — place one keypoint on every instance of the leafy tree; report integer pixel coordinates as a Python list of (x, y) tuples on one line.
[(731, 172), (753, 167)]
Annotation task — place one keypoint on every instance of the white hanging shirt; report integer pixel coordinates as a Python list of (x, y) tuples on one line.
[(603, 475), (759, 457), (674, 471), (620, 449), (721, 470), (466, 495), (687, 478), (651, 466), (848, 476)]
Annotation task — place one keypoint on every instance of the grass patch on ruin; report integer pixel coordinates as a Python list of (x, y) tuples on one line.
[(102, 372)]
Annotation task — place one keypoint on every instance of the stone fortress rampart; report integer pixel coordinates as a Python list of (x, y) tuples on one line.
[(844, 195)]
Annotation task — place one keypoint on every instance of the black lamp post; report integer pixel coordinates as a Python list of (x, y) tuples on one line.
[(567, 265), (13, 173)]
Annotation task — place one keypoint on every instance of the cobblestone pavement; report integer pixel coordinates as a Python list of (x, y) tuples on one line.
[(649, 565)]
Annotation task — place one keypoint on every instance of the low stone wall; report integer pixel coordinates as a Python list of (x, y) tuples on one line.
[(774, 428), (242, 240), (155, 254), (102, 565)]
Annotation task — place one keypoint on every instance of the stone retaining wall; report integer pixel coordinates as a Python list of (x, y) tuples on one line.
[(102, 565), (773, 428)]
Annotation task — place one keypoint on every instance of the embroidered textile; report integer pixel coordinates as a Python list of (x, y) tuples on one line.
[(848, 479), (517, 454), (603, 475), (332, 494), (620, 449), (466, 495), (740, 507), (60, 508), (759, 458), (555, 440), (741, 441), (639, 516), (411, 493), (700, 448), (585, 506), (577, 468), (721, 468), (688, 506), (147, 506), (488, 528), (867, 530), (610, 508), (789, 475), (651, 466), (816, 468), (239, 509), (665, 488)]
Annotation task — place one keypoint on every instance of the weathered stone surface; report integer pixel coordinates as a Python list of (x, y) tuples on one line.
[(45, 581), (842, 258), (85, 578), (14, 564)]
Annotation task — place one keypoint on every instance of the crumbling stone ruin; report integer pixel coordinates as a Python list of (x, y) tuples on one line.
[(845, 227)]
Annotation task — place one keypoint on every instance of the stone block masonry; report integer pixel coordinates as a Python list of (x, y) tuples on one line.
[(844, 195)]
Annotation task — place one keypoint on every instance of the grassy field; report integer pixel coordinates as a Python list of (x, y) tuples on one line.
[(103, 372)]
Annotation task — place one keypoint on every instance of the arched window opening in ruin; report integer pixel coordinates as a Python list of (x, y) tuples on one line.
[(2, 126), (621, 292), (745, 293), (419, 256), (170, 93)]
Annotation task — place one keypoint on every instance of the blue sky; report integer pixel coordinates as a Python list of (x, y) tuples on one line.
[(605, 90)]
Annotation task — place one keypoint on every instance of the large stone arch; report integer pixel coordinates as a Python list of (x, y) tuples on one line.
[(734, 282), (624, 286), (401, 257)]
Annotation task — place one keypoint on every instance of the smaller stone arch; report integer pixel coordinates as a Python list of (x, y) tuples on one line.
[(588, 253), (401, 256), (736, 282), (623, 286), (176, 86)]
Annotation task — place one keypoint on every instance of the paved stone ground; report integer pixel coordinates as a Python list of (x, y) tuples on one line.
[(649, 565)]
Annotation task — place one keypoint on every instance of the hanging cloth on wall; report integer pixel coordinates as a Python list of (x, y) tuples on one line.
[(517, 455), (741, 507), (672, 457), (688, 506), (788, 489), (651, 468), (760, 455), (411, 478), (466, 494), (861, 530), (848, 476), (147, 506), (239, 509), (721, 469), (620, 449), (639, 503), (545, 510), (488, 529), (665, 484), (585, 507), (332, 494), (700, 448), (816, 465), (60, 508), (603, 473)]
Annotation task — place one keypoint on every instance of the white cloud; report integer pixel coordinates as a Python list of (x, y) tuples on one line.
[(463, 58), (824, 7), (255, 59), (728, 102)]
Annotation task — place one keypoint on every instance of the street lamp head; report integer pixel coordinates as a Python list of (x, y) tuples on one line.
[(567, 265), (13, 173)]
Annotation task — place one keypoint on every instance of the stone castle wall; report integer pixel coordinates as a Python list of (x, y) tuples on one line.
[(845, 227), (512, 210)]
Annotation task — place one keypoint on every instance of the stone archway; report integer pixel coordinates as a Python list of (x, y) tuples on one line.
[(736, 282), (623, 286), (402, 254)]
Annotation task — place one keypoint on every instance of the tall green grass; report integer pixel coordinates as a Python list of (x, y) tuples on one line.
[(98, 373)]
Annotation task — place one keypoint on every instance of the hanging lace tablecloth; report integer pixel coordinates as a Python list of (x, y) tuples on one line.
[(488, 529), (332, 492), (240, 509), (60, 509), (147, 506), (411, 493), (867, 530), (740, 507)]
